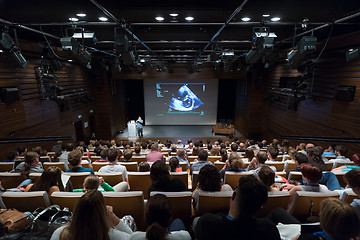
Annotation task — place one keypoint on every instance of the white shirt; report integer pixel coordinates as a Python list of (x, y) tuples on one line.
[(116, 168)]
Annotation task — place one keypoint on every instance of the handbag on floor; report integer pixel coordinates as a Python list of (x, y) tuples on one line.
[(14, 220)]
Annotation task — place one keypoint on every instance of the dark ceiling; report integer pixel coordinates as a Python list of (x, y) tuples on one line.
[(174, 38)]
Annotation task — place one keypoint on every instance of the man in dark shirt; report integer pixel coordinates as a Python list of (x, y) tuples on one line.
[(240, 222)]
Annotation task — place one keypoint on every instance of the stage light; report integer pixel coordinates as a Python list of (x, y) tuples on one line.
[(71, 44), (352, 54), (10, 49), (275, 19), (245, 19), (81, 14), (73, 19), (189, 18), (266, 15), (103, 19), (174, 14), (159, 19), (304, 47), (252, 56), (264, 41), (89, 37)]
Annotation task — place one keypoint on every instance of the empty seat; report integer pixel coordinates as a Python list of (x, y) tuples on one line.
[(232, 178), (290, 165), (214, 158), (306, 204), (127, 203), (180, 204), (111, 178), (130, 166), (275, 200), (35, 176), (139, 181), (295, 176), (192, 158), (66, 199), (95, 158), (26, 201), (60, 165), (183, 176), (6, 166), (137, 159), (77, 179), (214, 202), (10, 180), (279, 158)]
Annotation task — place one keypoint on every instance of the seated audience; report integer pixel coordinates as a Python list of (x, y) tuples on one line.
[(234, 149), (299, 159), (179, 144), (330, 151), (12, 156), (64, 156), (155, 155), (160, 223), (160, 179), (214, 151), (314, 158), (49, 181), (92, 219), (340, 151), (127, 155), (174, 165), (144, 167), (195, 151), (234, 164), (104, 156), (113, 166), (223, 154), (240, 222), (249, 154), (272, 154), (353, 181), (347, 168), (203, 156), (92, 182), (267, 176), (74, 158), (209, 181), (30, 165), (181, 156), (137, 151), (312, 176), (258, 162)]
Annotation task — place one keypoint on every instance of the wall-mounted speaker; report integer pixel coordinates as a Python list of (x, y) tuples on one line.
[(9, 95), (345, 93)]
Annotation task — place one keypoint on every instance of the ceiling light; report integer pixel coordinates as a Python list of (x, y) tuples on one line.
[(174, 14), (73, 19), (159, 19), (70, 60), (245, 19), (81, 14), (275, 19), (103, 19), (1, 51), (266, 15), (189, 18)]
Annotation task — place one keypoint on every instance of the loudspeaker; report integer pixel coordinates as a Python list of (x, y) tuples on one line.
[(9, 95), (346, 93)]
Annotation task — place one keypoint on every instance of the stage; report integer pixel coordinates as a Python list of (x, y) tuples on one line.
[(182, 132)]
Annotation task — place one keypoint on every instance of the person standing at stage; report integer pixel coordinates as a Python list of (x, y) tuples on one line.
[(139, 127)]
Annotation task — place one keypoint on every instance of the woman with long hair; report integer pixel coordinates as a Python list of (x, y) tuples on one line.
[(209, 181), (234, 164), (93, 220), (159, 220), (49, 181)]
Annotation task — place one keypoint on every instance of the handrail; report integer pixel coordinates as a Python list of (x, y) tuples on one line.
[(322, 138), (34, 139)]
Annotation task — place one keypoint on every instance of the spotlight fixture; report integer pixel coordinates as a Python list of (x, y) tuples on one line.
[(174, 14), (245, 19), (189, 18), (70, 43), (103, 19), (266, 15), (353, 54), (275, 19), (73, 19), (9, 48), (81, 14), (159, 18), (89, 37), (304, 47)]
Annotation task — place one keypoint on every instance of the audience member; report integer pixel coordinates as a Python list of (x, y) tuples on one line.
[(74, 158), (330, 151), (144, 167), (30, 165), (127, 155), (234, 149), (234, 164), (258, 162), (272, 154), (64, 156), (92, 219), (174, 165), (203, 156), (92, 182), (181, 156), (160, 224), (223, 154), (113, 166), (12, 156), (347, 168), (209, 181), (49, 181), (240, 222), (340, 151), (160, 179), (267, 176), (104, 156), (155, 155)]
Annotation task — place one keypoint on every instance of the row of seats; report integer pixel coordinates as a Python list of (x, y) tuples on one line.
[(132, 202)]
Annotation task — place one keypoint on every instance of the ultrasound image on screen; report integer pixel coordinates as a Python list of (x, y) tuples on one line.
[(185, 103)]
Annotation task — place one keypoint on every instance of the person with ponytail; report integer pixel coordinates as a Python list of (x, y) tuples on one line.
[(159, 221)]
